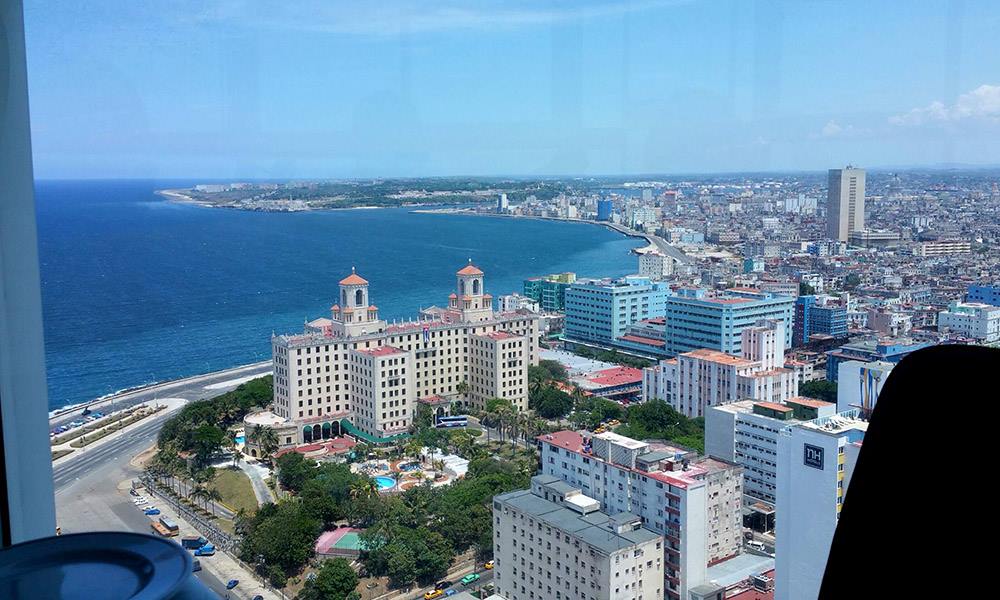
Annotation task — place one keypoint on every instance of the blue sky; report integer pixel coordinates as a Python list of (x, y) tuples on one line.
[(221, 89)]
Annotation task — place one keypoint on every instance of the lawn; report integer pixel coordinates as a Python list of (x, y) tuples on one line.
[(236, 490)]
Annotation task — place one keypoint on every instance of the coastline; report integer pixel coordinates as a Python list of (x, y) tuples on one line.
[(653, 242), (178, 196), (131, 391)]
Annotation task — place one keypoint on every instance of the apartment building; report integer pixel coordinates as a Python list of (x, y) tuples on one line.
[(973, 320), (698, 319), (695, 504), (354, 372), (696, 380), (655, 265), (600, 311), (552, 542), (815, 463), (745, 432), (942, 248)]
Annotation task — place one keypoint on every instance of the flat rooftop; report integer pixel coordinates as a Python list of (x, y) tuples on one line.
[(596, 528), (736, 569)]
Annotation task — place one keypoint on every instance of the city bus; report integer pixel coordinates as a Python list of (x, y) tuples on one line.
[(452, 421)]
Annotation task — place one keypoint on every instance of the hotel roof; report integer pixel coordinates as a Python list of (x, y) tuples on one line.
[(382, 351), (775, 406), (638, 339), (353, 279), (470, 269)]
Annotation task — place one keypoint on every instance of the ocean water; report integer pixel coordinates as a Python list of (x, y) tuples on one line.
[(137, 289)]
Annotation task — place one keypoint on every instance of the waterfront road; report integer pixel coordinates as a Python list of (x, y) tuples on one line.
[(91, 485), (191, 388)]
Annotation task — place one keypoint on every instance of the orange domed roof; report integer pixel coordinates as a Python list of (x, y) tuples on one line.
[(353, 279), (470, 269)]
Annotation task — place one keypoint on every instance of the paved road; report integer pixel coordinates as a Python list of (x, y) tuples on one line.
[(191, 388), (88, 483)]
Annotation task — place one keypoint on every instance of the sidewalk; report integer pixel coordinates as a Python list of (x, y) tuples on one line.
[(257, 473), (222, 565)]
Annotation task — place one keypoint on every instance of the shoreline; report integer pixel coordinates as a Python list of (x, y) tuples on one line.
[(653, 242), (178, 196), (131, 391)]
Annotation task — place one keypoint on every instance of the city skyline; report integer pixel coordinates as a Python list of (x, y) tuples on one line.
[(216, 90)]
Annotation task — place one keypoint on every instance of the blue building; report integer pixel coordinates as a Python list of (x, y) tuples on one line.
[(812, 317), (604, 210), (697, 320), (887, 350), (987, 294), (601, 311)]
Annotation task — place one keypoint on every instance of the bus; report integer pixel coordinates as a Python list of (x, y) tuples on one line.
[(160, 530), (169, 524), (452, 421)]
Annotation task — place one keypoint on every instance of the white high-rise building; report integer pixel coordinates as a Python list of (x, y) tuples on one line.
[(503, 205), (845, 203), (815, 463), (551, 541), (696, 380), (746, 433), (354, 372), (695, 504)]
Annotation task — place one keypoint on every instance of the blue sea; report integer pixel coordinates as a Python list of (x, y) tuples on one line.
[(137, 289)]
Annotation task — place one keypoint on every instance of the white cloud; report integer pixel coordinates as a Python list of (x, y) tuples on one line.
[(982, 103), (388, 17), (833, 129)]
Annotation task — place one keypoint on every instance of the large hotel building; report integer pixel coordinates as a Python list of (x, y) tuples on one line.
[(353, 372)]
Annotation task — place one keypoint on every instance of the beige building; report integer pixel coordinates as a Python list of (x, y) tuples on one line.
[(552, 542), (697, 380), (355, 372), (845, 203)]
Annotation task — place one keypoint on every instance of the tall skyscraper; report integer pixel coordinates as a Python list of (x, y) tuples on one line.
[(845, 203)]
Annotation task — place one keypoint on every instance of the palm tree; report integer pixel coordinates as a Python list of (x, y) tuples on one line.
[(267, 440), (214, 496), (413, 448), (364, 488), (463, 389), (198, 493)]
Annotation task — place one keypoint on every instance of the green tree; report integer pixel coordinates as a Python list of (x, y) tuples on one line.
[(283, 534), (334, 580), (294, 470), (820, 389), (552, 403), (852, 281), (656, 419), (805, 289)]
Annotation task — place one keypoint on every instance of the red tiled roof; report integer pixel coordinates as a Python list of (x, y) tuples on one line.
[(353, 279), (638, 339), (617, 376), (812, 402), (470, 269), (382, 351), (564, 439)]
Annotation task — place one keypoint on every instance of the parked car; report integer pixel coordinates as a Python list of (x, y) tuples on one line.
[(431, 595), (206, 550), (470, 578), (488, 565), (450, 592), (442, 585), (151, 511), (232, 583), (195, 566)]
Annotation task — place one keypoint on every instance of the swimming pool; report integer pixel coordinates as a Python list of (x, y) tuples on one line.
[(385, 483), (240, 439)]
